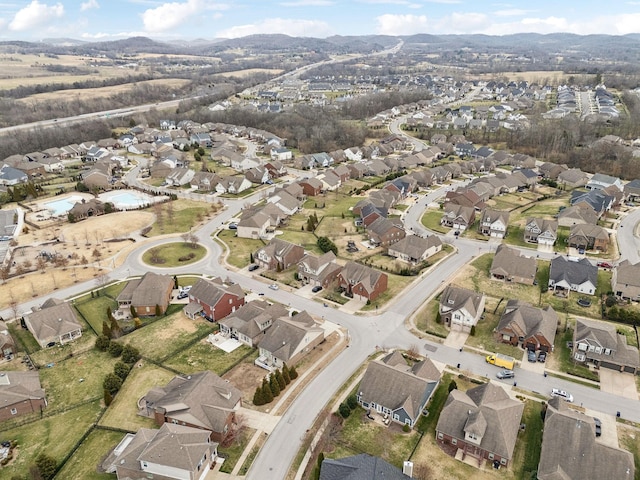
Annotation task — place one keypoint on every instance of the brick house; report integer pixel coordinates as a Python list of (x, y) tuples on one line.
[(147, 294), (278, 255), (213, 299), (20, 394), (361, 282), (534, 328)]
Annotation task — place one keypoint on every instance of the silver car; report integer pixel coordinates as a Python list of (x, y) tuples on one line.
[(502, 374)]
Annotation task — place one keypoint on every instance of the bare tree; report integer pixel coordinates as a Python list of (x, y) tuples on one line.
[(14, 305), (41, 264), (185, 237), (5, 271), (193, 240), (102, 280), (86, 237)]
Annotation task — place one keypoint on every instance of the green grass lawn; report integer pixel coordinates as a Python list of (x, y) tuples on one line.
[(186, 213), (63, 384), (55, 436), (166, 336), (330, 205), (306, 239), (431, 220), (234, 451), (83, 463), (173, 254), (240, 249), (395, 284), (94, 310), (59, 353), (123, 411), (24, 340), (427, 423), (546, 208), (426, 320), (563, 354), (526, 455), (484, 337), (515, 236), (204, 356)]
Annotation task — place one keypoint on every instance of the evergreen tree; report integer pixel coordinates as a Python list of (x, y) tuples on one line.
[(121, 369), (106, 331), (134, 314), (280, 379), (108, 398), (46, 466), (293, 373), (158, 311), (267, 394), (116, 331), (258, 397), (102, 343), (273, 384), (109, 313), (285, 374)]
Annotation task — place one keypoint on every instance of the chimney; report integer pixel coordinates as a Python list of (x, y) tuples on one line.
[(407, 468)]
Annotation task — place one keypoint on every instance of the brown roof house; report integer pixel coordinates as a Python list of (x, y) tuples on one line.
[(360, 467), (392, 387), (600, 344), (494, 223), (253, 226), (172, 452), (385, 232), (288, 340), (415, 249), (522, 324), (540, 231), (578, 214), (588, 237), (55, 323), (278, 255), (250, 322), (459, 217), (318, 271), (149, 295), (311, 186), (86, 209), (573, 178), (511, 266), (460, 308), (482, 422), (213, 300), (570, 450), (361, 282), (20, 393), (201, 400), (625, 280), (7, 344)]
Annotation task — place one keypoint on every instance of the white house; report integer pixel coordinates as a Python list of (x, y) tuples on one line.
[(244, 163), (460, 308)]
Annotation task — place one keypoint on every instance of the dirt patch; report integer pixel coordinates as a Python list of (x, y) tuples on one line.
[(181, 323), (246, 377)]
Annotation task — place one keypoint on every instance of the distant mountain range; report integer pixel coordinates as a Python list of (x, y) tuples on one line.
[(625, 47)]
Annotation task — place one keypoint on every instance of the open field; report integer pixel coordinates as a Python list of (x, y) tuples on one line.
[(84, 462), (54, 435), (123, 411), (250, 71), (180, 216)]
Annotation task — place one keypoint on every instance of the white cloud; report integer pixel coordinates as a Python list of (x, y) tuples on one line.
[(88, 5), (401, 24), (308, 3), (174, 14), (35, 14), (511, 12), (287, 26)]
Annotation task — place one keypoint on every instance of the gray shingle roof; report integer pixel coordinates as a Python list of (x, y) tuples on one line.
[(360, 467), (527, 320), (575, 273), (284, 337), (53, 321), (510, 262)]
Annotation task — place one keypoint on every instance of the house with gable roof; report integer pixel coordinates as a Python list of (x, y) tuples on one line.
[(459, 217), (567, 275), (415, 249), (625, 281), (540, 231), (600, 181), (460, 308), (249, 323), (511, 266), (172, 452), (600, 344), (482, 422), (523, 324), (318, 270), (494, 223), (254, 225), (55, 323), (588, 237), (201, 400), (359, 467), (392, 387), (288, 340), (278, 255), (385, 232), (213, 299), (20, 394), (148, 295), (361, 282)]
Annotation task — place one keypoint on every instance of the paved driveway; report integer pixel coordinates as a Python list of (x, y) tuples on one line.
[(525, 364), (623, 384), (456, 339)]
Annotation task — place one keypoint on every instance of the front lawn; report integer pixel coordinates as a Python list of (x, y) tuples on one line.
[(55, 436), (431, 220), (426, 320), (84, 462), (232, 453), (484, 337), (204, 356), (174, 254), (563, 356), (526, 455), (395, 285), (123, 411), (239, 249), (94, 310)]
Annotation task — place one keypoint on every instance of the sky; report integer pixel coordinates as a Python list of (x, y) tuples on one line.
[(100, 20)]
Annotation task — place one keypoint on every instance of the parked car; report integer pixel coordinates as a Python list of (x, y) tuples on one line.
[(542, 356), (253, 267), (182, 295), (316, 289), (274, 286), (233, 226), (556, 392), (502, 374), (598, 426), (531, 355), (604, 265)]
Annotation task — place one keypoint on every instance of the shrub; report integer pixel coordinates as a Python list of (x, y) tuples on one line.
[(344, 410), (121, 369), (406, 428), (112, 383), (472, 332), (115, 349), (273, 384), (108, 398), (285, 374), (258, 397), (293, 373), (267, 394), (102, 343), (452, 386), (46, 466), (130, 354), (352, 402)]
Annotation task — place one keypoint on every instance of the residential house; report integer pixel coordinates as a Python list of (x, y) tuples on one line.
[(249, 323), (540, 231), (600, 344), (551, 170), (179, 176), (598, 199), (415, 249), (213, 299), (632, 190), (577, 215), (289, 340), (343, 173), (578, 276), (259, 175), (242, 163), (600, 181), (588, 237), (20, 394), (494, 223), (464, 149), (278, 255), (201, 139), (625, 281), (7, 344), (311, 186), (52, 164), (357, 170), (12, 176), (276, 169), (85, 209), (482, 422), (330, 180), (459, 217), (284, 201), (147, 296), (392, 387), (465, 197), (460, 308), (318, 271), (172, 452), (55, 323), (205, 181), (573, 178), (361, 282), (531, 327), (384, 232), (359, 467), (570, 448), (233, 184), (511, 266), (281, 154), (201, 400), (254, 225)]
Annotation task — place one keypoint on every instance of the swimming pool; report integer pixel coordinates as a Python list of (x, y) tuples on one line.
[(62, 206), (127, 199)]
